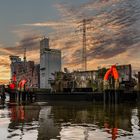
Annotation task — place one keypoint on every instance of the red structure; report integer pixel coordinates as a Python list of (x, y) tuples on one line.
[(112, 71), (12, 86), (22, 84), (14, 79)]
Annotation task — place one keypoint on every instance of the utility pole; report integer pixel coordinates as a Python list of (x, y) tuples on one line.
[(84, 53), (24, 55), (84, 23), (24, 58)]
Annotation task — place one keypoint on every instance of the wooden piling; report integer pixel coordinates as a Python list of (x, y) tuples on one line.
[(138, 81), (111, 96)]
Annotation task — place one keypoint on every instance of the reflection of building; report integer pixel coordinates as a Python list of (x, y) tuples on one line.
[(25, 120), (63, 120), (25, 69), (48, 129), (86, 120), (50, 62)]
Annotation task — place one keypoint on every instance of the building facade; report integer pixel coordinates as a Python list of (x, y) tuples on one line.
[(50, 62), (25, 70)]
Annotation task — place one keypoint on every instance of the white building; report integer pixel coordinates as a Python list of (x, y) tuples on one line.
[(50, 62)]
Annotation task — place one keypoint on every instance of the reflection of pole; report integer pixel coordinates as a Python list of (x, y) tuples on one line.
[(84, 57)]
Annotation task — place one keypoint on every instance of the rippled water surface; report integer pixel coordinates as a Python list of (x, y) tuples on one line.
[(69, 121)]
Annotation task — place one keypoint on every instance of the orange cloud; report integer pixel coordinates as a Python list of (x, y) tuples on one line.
[(111, 31)]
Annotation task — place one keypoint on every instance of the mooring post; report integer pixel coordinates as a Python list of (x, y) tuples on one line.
[(138, 82), (24, 96), (104, 97), (19, 95), (109, 97), (116, 97), (16, 95)]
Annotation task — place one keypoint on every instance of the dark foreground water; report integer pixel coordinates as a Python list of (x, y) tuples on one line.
[(69, 121)]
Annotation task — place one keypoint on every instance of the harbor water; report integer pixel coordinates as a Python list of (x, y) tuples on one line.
[(69, 121)]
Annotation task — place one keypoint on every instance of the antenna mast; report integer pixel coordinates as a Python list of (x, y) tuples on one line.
[(24, 58), (24, 54), (84, 55), (84, 24)]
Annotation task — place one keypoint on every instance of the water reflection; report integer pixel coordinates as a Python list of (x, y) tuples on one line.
[(69, 121), (23, 121), (135, 123), (88, 121)]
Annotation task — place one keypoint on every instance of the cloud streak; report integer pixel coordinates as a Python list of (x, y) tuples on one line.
[(49, 24), (113, 30)]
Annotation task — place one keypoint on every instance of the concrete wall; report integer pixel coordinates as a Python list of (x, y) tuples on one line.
[(50, 62)]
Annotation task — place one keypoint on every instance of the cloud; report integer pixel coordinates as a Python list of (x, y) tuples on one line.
[(4, 67), (49, 24), (112, 33), (4, 62), (5, 51), (31, 42), (112, 29), (28, 42)]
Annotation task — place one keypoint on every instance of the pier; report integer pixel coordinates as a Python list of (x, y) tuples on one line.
[(107, 97)]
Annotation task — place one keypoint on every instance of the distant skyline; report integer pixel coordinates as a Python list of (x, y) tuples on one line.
[(113, 36)]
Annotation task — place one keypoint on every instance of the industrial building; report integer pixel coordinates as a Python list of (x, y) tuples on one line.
[(50, 62), (25, 70), (38, 76), (92, 80)]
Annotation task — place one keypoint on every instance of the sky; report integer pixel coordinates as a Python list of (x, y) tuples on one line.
[(112, 31)]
